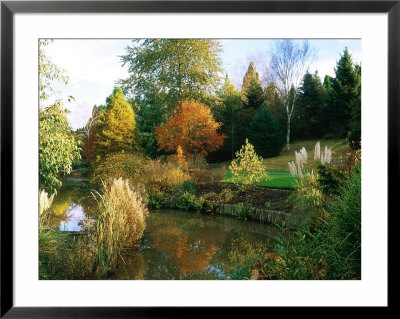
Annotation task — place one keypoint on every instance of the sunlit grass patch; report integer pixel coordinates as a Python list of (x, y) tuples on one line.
[(276, 179)]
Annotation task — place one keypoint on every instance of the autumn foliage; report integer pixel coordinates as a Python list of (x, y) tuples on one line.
[(116, 127), (192, 127)]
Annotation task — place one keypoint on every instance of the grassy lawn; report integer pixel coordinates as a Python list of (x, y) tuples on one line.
[(277, 179)]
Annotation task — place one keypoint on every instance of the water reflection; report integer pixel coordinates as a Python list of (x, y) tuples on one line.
[(71, 207), (185, 245), (74, 219)]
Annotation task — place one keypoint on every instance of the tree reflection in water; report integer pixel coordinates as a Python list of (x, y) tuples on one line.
[(186, 245)]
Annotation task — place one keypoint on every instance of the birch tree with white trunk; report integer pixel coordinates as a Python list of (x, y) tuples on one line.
[(289, 62)]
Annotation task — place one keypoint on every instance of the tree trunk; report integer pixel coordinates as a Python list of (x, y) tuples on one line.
[(288, 135)]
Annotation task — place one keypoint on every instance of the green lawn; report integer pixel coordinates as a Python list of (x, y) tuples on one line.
[(277, 179)]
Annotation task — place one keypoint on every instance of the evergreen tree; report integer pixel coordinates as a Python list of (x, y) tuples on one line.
[(345, 96), (354, 133), (310, 108), (116, 128), (274, 104), (226, 112), (264, 134), (254, 97), (149, 112), (250, 76)]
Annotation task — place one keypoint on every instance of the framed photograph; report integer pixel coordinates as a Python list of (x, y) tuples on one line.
[(158, 156)]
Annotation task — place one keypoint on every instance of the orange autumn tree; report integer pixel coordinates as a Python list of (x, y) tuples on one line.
[(193, 128)]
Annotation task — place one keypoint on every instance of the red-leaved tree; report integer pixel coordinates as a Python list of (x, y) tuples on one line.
[(192, 127)]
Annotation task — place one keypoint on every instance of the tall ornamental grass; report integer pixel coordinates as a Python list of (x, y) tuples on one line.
[(45, 202), (122, 213)]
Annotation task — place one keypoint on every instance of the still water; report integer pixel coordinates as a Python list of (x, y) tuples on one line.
[(175, 244)]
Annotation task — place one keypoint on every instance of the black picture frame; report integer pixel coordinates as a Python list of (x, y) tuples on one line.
[(9, 8)]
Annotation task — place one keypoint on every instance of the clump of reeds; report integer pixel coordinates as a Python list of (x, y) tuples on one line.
[(45, 202), (122, 212), (301, 166)]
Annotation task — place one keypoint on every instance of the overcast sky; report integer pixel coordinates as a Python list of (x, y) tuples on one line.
[(94, 66)]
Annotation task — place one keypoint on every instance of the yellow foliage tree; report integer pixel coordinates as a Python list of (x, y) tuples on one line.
[(248, 167), (116, 128)]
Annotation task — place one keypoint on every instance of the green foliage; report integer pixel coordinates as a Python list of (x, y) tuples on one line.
[(156, 199), (251, 78), (48, 73), (330, 179), (254, 96), (264, 134), (241, 211), (188, 186), (148, 143), (177, 69), (308, 198), (330, 250), (309, 113), (116, 165), (116, 128), (274, 104), (58, 149), (354, 133), (226, 112), (345, 98), (248, 167), (188, 201), (346, 227)]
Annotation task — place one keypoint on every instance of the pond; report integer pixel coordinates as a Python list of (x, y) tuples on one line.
[(176, 244)]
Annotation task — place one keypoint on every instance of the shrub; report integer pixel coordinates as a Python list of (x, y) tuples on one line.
[(126, 165), (58, 149), (187, 201), (225, 195), (211, 196), (122, 211), (248, 167), (329, 178), (346, 227), (188, 186), (197, 162), (308, 198), (156, 199), (208, 176), (179, 159), (165, 177)]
